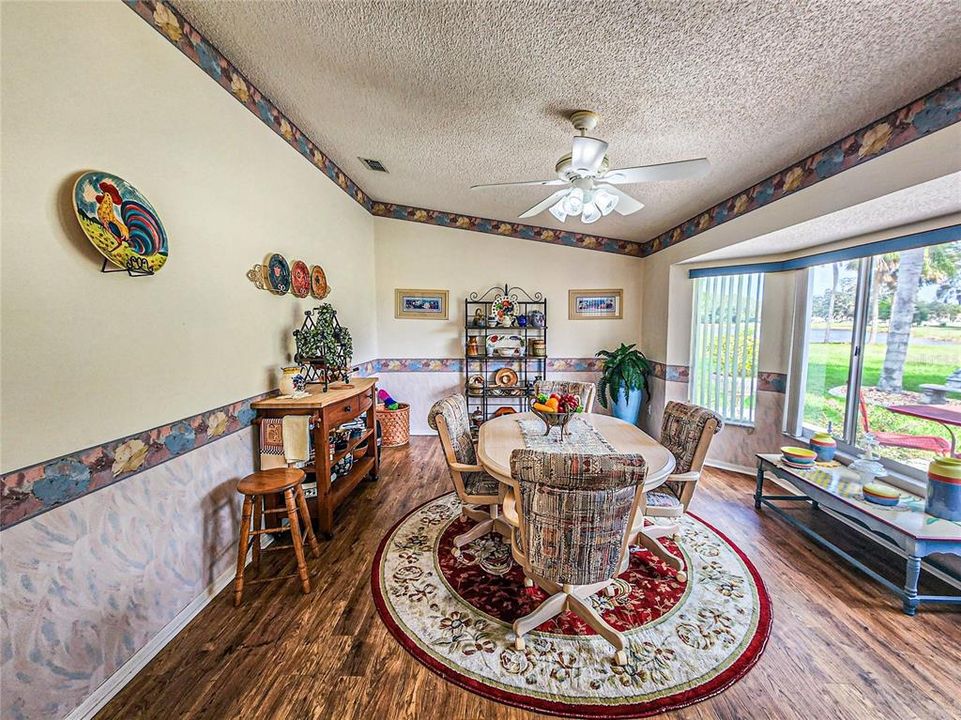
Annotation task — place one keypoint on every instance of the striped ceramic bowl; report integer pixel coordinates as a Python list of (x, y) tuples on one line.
[(881, 494)]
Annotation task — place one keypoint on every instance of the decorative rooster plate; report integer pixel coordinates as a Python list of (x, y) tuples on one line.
[(119, 221), (278, 274)]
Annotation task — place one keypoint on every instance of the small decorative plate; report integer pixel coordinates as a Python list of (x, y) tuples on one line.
[(504, 411), (299, 279), (278, 274), (504, 346), (505, 377), (318, 283), (119, 222)]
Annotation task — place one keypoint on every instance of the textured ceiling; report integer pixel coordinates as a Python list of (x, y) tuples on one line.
[(925, 201), (449, 94)]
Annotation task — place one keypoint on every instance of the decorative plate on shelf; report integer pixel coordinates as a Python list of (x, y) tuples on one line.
[(504, 411), (505, 346), (505, 377), (318, 283), (119, 222), (278, 274), (300, 279)]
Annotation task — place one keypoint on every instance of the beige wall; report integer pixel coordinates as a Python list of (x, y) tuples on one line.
[(92, 357), (411, 255)]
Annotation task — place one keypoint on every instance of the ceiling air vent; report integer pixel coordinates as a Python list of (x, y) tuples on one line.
[(375, 165)]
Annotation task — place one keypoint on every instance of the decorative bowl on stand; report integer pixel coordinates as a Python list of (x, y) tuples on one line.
[(553, 420)]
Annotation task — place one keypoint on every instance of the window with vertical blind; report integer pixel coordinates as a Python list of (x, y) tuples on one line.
[(726, 323)]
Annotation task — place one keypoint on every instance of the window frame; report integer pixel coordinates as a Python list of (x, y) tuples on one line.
[(794, 410)]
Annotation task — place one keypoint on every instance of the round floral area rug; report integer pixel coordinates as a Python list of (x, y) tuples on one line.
[(687, 641)]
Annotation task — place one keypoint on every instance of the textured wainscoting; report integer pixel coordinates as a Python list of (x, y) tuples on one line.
[(88, 584)]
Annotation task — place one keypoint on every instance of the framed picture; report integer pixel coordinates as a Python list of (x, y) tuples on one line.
[(420, 304), (595, 304)]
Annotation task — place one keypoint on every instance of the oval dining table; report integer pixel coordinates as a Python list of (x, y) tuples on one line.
[(500, 436)]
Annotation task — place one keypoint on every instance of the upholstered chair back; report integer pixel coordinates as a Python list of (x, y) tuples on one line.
[(584, 390), (575, 512), (686, 431), (453, 409)]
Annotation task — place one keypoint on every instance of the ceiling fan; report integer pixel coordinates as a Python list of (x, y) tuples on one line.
[(590, 182)]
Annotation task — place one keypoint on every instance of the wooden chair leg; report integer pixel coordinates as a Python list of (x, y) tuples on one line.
[(242, 549), (258, 525), (586, 612), (295, 538), (305, 517), (550, 608)]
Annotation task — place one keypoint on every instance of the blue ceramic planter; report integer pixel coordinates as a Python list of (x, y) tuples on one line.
[(627, 406)]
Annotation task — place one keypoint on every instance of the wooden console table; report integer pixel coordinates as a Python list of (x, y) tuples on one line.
[(341, 403), (905, 524)]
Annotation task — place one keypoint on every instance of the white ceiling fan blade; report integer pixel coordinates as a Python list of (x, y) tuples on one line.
[(588, 154), (680, 170), (625, 203), (544, 204), (555, 181)]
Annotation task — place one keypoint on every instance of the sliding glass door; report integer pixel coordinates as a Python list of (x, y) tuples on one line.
[(882, 342)]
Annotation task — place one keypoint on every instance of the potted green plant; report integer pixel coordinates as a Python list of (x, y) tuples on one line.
[(624, 381)]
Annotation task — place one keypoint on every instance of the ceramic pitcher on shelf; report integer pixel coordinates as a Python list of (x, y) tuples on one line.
[(287, 376)]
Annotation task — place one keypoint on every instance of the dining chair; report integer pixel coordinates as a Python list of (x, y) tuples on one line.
[(687, 431), (474, 486), (573, 514), (586, 391)]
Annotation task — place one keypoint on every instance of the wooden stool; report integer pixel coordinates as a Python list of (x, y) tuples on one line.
[(254, 488)]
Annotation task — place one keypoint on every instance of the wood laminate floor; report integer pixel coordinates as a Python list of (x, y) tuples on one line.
[(840, 646)]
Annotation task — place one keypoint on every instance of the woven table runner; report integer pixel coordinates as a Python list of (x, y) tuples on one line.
[(579, 437)]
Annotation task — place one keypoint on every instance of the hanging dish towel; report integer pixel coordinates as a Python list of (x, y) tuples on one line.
[(271, 444), (296, 439)]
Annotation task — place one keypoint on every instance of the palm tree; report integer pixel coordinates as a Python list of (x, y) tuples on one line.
[(902, 316)]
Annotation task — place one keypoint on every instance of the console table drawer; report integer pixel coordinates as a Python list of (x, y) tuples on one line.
[(347, 409)]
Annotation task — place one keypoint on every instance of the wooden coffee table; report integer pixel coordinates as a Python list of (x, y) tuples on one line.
[(906, 524)]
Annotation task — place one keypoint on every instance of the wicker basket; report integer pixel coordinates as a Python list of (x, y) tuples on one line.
[(394, 425)]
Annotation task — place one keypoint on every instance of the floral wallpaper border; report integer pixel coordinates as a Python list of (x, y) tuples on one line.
[(457, 365), (672, 373), (35, 489), (772, 381), (935, 111), (168, 21), (507, 229)]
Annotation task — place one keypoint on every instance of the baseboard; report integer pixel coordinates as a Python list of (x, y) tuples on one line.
[(139, 660), (731, 467)]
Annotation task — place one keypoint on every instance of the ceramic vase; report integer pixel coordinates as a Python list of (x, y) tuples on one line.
[(627, 405), (824, 446), (944, 488), (287, 380)]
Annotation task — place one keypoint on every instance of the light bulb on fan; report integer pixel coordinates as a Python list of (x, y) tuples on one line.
[(557, 210), (590, 213), (605, 201), (573, 202)]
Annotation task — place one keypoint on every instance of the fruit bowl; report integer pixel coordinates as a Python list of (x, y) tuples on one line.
[(556, 410), (554, 419)]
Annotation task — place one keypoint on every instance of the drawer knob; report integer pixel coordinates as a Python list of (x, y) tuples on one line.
[(346, 408)]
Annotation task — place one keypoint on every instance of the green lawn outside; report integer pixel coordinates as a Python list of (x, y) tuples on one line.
[(828, 368)]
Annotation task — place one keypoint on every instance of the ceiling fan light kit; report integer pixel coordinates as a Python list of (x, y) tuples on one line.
[(590, 191)]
